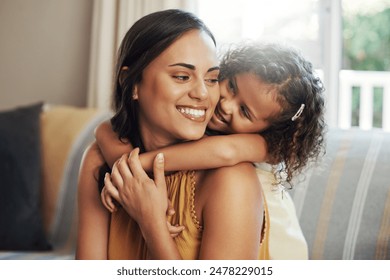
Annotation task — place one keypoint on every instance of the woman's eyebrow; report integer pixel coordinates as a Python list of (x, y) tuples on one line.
[(192, 67), (213, 69), (186, 65)]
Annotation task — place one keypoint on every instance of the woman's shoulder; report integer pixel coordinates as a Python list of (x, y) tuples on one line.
[(238, 182), (92, 153), (243, 171)]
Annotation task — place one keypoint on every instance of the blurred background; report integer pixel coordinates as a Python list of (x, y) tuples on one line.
[(62, 51)]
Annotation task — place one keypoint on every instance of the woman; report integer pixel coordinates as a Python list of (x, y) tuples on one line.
[(165, 93)]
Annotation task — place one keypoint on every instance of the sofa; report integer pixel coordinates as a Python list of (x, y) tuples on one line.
[(43, 145), (343, 203)]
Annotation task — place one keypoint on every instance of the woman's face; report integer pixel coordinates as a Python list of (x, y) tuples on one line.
[(246, 105), (179, 91)]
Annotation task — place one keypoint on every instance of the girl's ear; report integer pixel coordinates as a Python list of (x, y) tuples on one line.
[(123, 75)]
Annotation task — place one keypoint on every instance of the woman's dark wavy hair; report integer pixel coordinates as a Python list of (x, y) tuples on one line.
[(144, 41), (296, 143)]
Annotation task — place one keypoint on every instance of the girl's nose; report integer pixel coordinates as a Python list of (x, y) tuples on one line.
[(226, 105)]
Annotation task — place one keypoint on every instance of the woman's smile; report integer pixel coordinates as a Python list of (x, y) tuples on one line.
[(197, 114)]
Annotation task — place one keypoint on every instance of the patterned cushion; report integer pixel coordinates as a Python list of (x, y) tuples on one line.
[(344, 203)]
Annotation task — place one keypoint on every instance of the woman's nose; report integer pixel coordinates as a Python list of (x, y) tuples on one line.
[(199, 91)]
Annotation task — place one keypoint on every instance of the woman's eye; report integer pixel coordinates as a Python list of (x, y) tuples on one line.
[(212, 81), (181, 77)]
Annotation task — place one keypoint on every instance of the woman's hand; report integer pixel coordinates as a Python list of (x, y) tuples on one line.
[(108, 193), (140, 196), (143, 199)]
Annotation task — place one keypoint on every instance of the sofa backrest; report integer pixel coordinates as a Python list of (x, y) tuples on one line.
[(344, 203)]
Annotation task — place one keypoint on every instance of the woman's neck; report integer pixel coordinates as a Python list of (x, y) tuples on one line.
[(154, 141)]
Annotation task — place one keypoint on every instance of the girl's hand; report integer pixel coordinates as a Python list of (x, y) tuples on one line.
[(107, 198), (174, 230)]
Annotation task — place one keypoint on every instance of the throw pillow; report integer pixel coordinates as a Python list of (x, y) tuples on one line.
[(20, 168)]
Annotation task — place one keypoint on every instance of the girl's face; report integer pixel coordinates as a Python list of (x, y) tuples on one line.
[(245, 106), (179, 91)]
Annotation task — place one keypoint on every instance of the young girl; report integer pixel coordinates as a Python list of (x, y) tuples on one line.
[(271, 109)]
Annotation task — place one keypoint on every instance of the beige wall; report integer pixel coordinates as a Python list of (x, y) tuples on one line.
[(44, 51)]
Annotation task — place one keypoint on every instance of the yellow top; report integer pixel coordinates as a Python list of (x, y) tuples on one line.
[(126, 242)]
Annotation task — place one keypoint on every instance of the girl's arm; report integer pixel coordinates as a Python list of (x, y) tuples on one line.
[(210, 152), (206, 153)]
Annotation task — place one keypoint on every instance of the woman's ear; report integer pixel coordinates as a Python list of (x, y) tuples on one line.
[(135, 92), (123, 75)]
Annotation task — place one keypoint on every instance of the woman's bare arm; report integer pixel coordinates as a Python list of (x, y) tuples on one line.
[(206, 153), (92, 237), (230, 205)]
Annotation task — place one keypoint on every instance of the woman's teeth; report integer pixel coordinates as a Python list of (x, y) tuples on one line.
[(195, 113)]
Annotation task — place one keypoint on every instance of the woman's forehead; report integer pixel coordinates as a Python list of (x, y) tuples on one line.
[(193, 47)]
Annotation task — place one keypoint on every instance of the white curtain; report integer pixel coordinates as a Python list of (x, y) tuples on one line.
[(111, 20)]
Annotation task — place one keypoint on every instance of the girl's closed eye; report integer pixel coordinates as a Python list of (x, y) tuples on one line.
[(245, 112), (232, 86)]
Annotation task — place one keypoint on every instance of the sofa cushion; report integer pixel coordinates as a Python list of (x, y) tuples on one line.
[(343, 205), (20, 168)]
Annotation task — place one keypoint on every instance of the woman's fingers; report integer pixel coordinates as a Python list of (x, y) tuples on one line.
[(123, 167), (135, 165), (158, 172)]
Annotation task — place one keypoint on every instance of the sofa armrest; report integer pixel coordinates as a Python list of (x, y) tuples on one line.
[(66, 132)]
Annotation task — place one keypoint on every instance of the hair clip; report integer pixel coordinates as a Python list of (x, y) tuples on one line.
[(298, 113)]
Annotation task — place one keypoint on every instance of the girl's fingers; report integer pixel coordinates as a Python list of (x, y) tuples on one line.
[(170, 210), (109, 201), (110, 189), (103, 199), (116, 177), (174, 230)]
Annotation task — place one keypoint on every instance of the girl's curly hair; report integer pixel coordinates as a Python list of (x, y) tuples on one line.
[(293, 142)]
